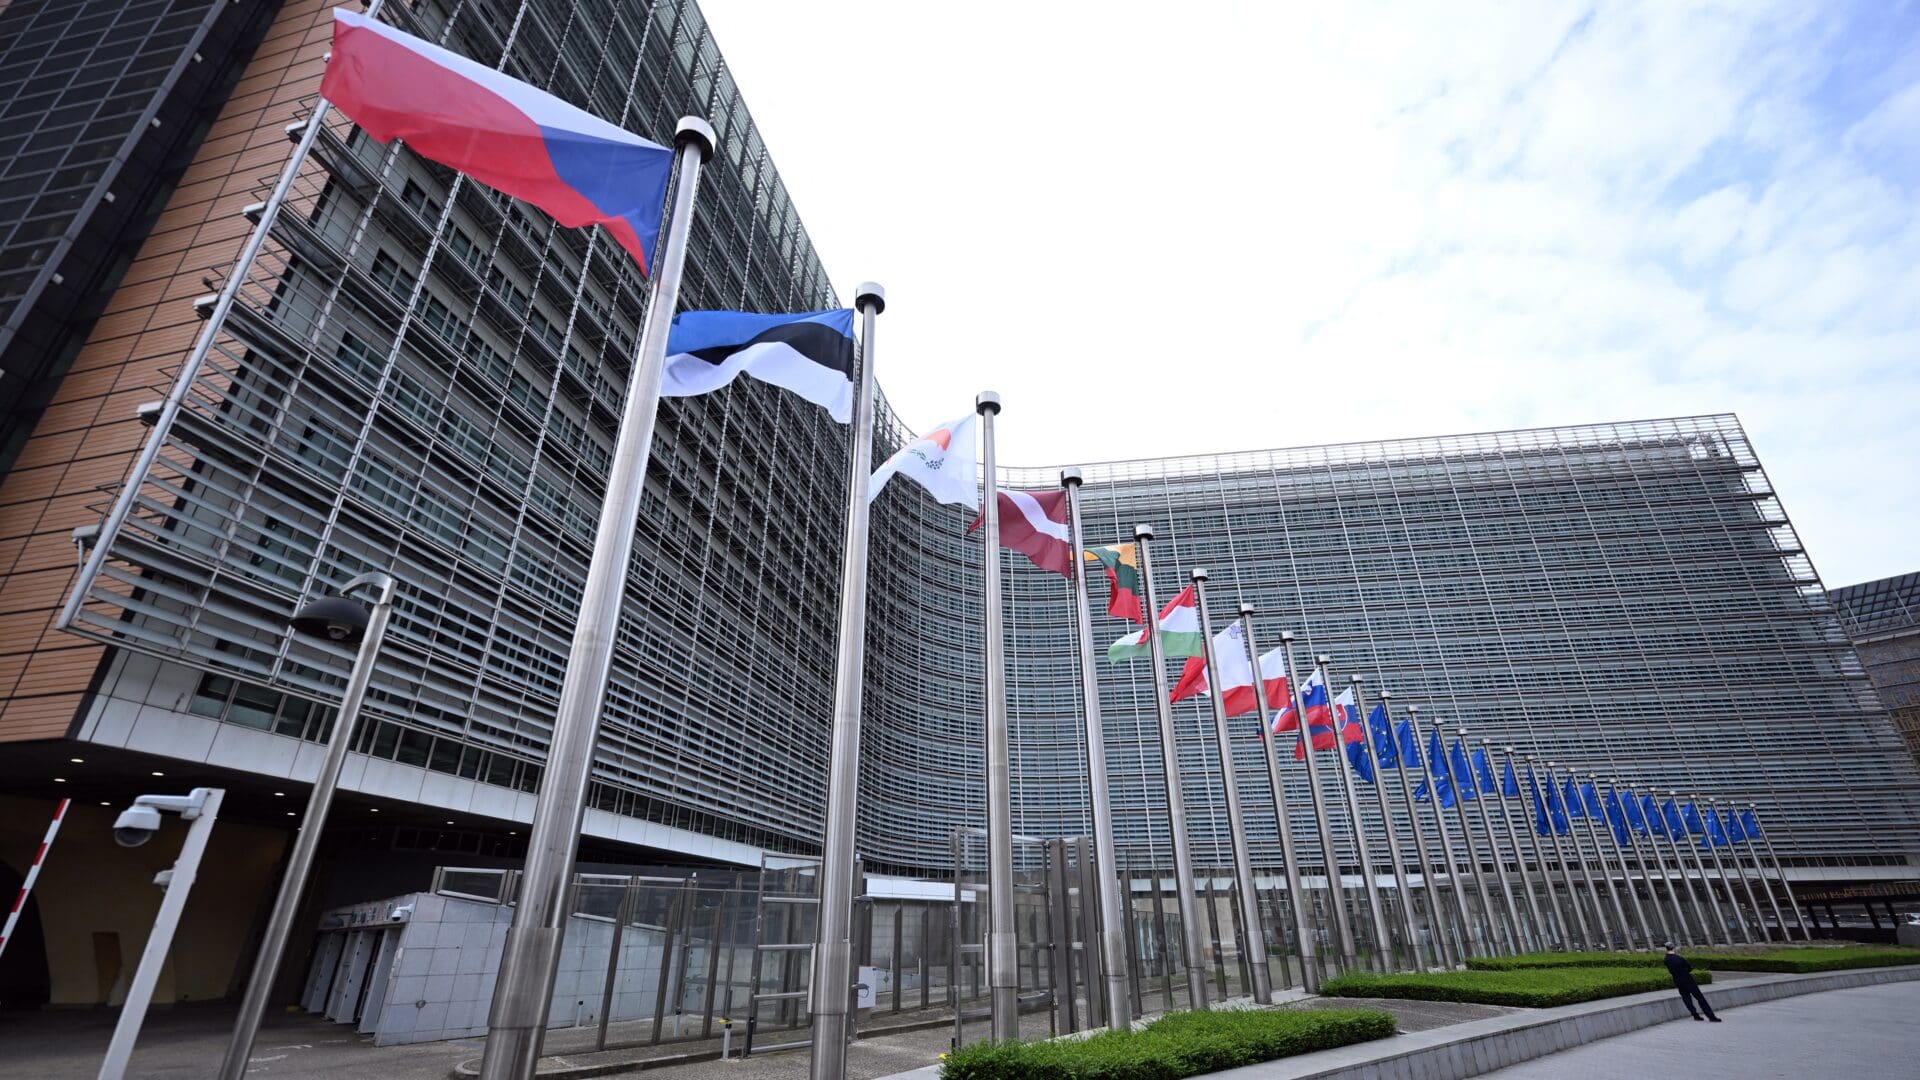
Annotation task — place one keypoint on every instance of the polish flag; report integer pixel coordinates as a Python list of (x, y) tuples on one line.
[(512, 137), (1230, 656)]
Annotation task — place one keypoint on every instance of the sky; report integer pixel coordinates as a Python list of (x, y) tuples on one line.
[(1162, 229)]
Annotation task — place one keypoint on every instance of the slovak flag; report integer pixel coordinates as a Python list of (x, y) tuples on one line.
[(1321, 728), (1313, 698), (506, 134)]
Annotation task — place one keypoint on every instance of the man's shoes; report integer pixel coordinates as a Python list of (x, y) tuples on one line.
[(1699, 1017), (1715, 1019)]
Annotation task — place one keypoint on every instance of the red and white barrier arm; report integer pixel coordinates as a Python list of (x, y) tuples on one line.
[(20, 902)]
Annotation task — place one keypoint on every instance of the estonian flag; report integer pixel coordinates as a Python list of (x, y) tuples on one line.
[(810, 354)]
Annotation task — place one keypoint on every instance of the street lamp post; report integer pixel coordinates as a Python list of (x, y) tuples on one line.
[(346, 621)]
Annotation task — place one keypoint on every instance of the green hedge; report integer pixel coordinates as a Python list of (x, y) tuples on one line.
[(1536, 989), (1792, 961), (1174, 1046)]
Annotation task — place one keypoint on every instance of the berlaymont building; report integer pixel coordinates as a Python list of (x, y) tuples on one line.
[(422, 376)]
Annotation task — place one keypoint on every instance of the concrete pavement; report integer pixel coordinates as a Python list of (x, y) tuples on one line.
[(1864, 1032)]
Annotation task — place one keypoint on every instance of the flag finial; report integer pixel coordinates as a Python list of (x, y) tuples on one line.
[(870, 294), (1246, 608), (1143, 532), (1199, 573), (987, 401), (692, 129), (1070, 477)]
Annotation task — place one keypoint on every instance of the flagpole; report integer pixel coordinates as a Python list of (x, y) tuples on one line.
[(1462, 917), (1680, 862), (1329, 858), (1640, 859), (1466, 834), (1600, 856), (1760, 871), (1439, 922), (1493, 846), (1781, 873), (833, 954), (1679, 927), (1718, 933), (522, 997), (189, 369), (1519, 856), (1746, 883), (1620, 857), (1113, 943), (1596, 933), (1003, 972), (1386, 823), (1382, 937), (1726, 883), (1560, 931), (1254, 948), (1308, 946), (1188, 895)]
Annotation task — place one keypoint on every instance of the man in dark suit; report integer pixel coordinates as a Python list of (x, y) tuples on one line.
[(1689, 990)]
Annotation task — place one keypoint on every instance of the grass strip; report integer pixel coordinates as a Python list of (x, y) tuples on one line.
[(1176, 1045), (1798, 961), (1537, 988)]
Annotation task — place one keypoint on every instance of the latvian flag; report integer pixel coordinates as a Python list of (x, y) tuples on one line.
[(1179, 624), (1034, 523), (810, 354), (1230, 656), (506, 134)]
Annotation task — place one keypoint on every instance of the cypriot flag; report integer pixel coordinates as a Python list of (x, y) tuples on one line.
[(941, 461)]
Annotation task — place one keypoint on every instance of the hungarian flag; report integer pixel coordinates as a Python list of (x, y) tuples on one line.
[(1122, 564), (950, 475), (1179, 624), (1230, 656), (510, 136), (1313, 698), (1034, 523)]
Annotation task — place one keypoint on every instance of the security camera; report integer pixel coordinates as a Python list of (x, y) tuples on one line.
[(136, 825), (149, 413)]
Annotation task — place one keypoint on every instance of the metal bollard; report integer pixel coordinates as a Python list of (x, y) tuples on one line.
[(726, 1038)]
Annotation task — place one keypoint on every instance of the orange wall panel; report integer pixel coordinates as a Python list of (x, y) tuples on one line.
[(87, 438)]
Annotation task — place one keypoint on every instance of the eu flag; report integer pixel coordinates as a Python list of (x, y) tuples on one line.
[(1462, 771), (1509, 783), (1676, 822), (1691, 815), (1557, 807), (1570, 797), (1591, 799), (1382, 737), (1616, 818), (1636, 817), (1441, 784), (1362, 764), (1409, 746), (1650, 810), (1483, 772), (1750, 824)]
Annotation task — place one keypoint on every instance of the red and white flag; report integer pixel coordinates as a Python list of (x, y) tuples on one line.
[(1034, 523), (1230, 655)]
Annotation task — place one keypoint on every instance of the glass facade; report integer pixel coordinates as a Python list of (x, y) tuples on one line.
[(426, 377), (1883, 619), (101, 104)]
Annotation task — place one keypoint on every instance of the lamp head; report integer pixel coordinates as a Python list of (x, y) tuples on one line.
[(335, 618)]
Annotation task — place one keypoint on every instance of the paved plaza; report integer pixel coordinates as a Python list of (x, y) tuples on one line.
[(1864, 1032)]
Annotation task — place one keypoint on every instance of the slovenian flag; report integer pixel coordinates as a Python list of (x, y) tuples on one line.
[(810, 354), (1179, 624), (1313, 698), (1230, 656), (507, 135)]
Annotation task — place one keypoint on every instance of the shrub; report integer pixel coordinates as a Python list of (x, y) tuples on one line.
[(1177, 1045), (1536, 989), (1793, 961)]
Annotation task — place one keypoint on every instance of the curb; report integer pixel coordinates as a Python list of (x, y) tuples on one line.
[(1482, 1046)]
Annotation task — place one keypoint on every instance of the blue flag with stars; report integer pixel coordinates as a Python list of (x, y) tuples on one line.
[(1509, 783), (1382, 736)]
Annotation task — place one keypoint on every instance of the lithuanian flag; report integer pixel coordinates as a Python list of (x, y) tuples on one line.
[(1122, 564)]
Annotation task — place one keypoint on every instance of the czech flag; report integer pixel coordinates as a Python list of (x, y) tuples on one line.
[(507, 135)]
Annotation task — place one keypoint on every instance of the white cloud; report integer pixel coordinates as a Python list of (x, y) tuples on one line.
[(1306, 226)]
